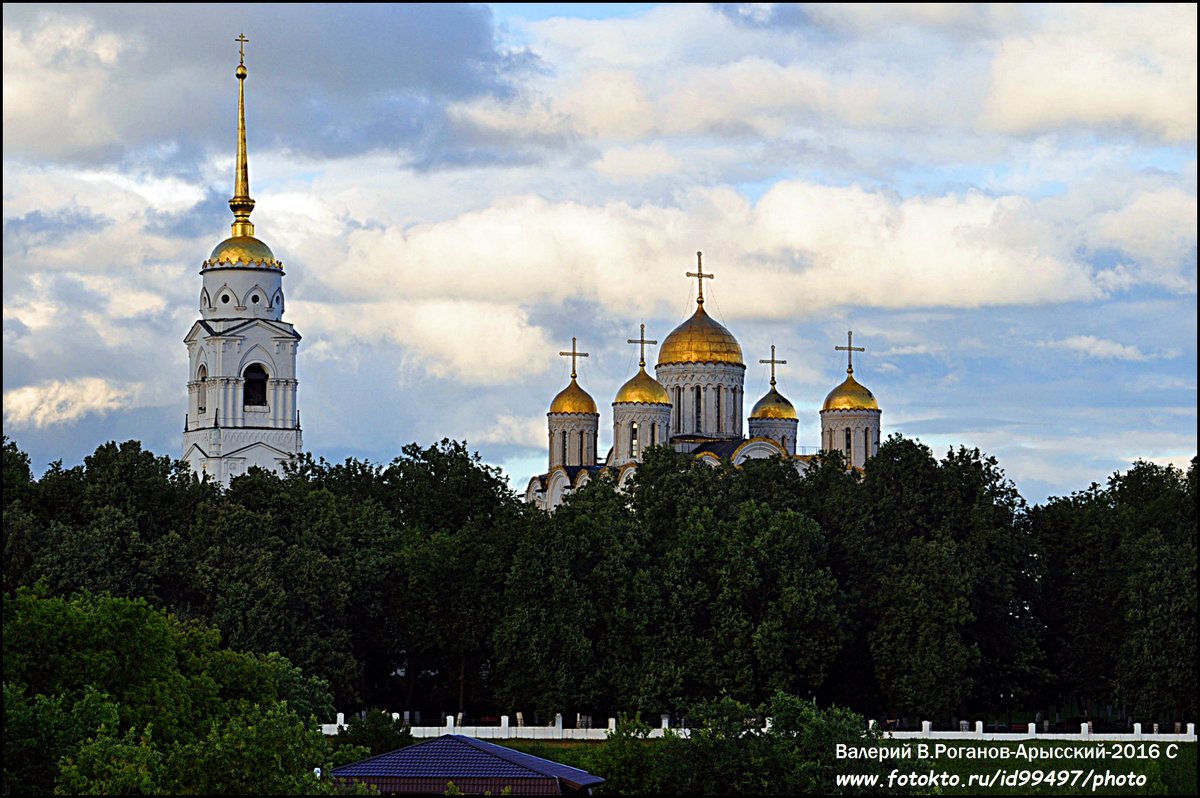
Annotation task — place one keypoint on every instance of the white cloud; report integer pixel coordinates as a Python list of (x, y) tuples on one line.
[(637, 163), (514, 431), (65, 402), (472, 342), (1099, 66), (66, 64), (1158, 229), (1098, 348), (871, 18), (912, 349)]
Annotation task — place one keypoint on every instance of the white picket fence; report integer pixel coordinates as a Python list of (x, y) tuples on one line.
[(1084, 734), (506, 731)]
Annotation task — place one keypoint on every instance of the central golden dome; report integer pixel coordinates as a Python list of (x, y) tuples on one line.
[(642, 389), (850, 395), (573, 399), (774, 405), (243, 251), (700, 339)]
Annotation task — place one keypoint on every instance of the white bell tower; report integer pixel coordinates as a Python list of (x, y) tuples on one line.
[(242, 409)]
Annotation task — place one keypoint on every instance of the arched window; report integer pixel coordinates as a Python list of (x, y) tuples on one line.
[(678, 409), (633, 439), (783, 442), (596, 443), (254, 392), (866, 443), (699, 402), (848, 445), (582, 448), (202, 390), (718, 408), (653, 434), (564, 447)]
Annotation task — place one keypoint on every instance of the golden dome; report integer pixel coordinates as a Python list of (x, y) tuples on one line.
[(850, 395), (700, 339), (774, 405), (243, 251), (642, 389), (573, 399)]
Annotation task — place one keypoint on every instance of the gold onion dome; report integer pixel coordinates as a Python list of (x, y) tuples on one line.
[(850, 395), (573, 399), (774, 405), (700, 339), (244, 251), (642, 389)]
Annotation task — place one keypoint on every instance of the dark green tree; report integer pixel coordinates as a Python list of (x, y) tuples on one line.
[(128, 699)]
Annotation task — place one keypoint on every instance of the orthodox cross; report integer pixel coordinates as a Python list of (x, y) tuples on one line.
[(773, 361), (641, 339), (241, 40), (700, 276), (573, 354), (850, 349)]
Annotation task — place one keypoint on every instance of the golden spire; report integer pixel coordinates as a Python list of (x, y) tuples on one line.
[(641, 339), (700, 276), (573, 354), (773, 361), (849, 349), (241, 204)]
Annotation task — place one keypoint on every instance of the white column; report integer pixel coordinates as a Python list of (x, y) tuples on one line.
[(293, 387), (239, 404), (229, 405)]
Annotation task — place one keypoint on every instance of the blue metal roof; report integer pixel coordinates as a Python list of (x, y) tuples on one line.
[(455, 756)]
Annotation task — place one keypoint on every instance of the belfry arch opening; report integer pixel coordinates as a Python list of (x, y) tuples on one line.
[(254, 391), (202, 389)]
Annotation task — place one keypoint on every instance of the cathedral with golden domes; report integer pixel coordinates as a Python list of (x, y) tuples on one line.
[(694, 404), (242, 388)]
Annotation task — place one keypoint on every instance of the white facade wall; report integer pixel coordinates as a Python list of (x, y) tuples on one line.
[(729, 378), (783, 430), (229, 293), (864, 433), (654, 428), (573, 424)]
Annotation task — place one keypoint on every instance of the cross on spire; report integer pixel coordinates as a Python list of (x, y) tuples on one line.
[(700, 277), (773, 361), (573, 354), (850, 349), (641, 339), (241, 40)]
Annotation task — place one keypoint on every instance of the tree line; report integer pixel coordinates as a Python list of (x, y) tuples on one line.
[(916, 587)]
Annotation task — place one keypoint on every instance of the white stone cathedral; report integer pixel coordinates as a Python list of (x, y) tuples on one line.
[(695, 406), (242, 408)]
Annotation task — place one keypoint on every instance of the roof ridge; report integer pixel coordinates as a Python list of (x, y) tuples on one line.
[(513, 756)]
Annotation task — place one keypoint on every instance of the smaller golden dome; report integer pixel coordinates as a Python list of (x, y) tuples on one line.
[(243, 251), (774, 405), (573, 399), (644, 390), (850, 395)]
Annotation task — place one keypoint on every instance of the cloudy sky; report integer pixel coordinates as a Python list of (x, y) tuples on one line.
[(1000, 201)]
